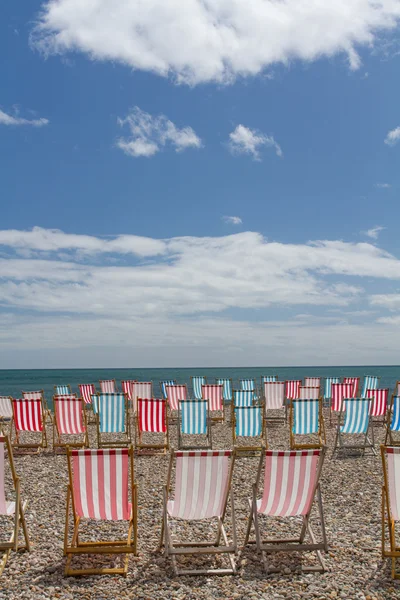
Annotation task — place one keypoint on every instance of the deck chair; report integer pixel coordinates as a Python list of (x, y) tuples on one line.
[(312, 382), (163, 385), (393, 421), (291, 483), (247, 384), (371, 382), (242, 398), (213, 393), (202, 487), (274, 399), (355, 382), (308, 393), (197, 382), (141, 389), (292, 390), (151, 418), (339, 392), (397, 389), (175, 394), (108, 386), (306, 419), (69, 420), (87, 390), (6, 412), (248, 422), (226, 388), (98, 489), (38, 395), (328, 389), (62, 390), (127, 387), (194, 420), (357, 421), (268, 379), (14, 509), (29, 416), (379, 404), (113, 417), (390, 503)]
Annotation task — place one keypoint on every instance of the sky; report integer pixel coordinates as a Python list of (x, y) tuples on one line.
[(213, 186)]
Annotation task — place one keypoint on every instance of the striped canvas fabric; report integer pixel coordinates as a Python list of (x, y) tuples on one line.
[(289, 482), (243, 397), (371, 382), (393, 474), (328, 387), (163, 385), (126, 386), (355, 382), (197, 383), (247, 384), (269, 378), (6, 508), (111, 409), (194, 416), (212, 393), (397, 389), (94, 403), (305, 417), (395, 422), (86, 391), (69, 416), (6, 407), (308, 393), (379, 402), (62, 390), (357, 415), (274, 394), (201, 484), (37, 395), (248, 421), (175, 393), (100, 483), (142, 389), (293, 389), (152, 415), (339, 392), (312, 382), (226, 388), (107, 386), (27, 415)]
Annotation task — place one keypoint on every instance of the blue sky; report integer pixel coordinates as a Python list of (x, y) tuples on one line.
[(128, 136)]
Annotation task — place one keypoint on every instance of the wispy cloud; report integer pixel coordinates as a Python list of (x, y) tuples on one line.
[(232, 220), (393, 136), (383, 186), (374, 232), (149, 134), (244, 140), (6, 119)]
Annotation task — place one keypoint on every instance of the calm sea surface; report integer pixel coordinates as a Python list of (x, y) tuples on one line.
[(12, 382)]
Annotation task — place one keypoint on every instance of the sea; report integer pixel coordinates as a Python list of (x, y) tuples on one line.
[(14, 381)]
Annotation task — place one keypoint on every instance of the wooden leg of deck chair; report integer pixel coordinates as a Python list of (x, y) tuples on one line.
[(249, 524), (336, 442), (322, 518), (22, 509)]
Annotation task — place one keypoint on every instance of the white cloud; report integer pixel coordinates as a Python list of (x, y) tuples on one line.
[(383, 186), (213, 41), (232, 220), (244, 140), (393, 137), (374, 232), (148, 134), (6, 119), (389, 301)]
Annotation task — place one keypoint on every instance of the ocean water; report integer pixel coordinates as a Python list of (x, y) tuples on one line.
[(14, 381)]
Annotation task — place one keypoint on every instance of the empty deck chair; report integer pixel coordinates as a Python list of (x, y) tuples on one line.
[(328, 389), (197, 382), (391, 504), (87, 390), (14, 509), (28, 416), (242, 398), (371, 382), (127, 388), (308, 393), (163, 385), (62, 390), (248, 422), (6, 412), (247, 384), (175, 394), (38, 395), (379, 404), (108, 386), (357, 421), (112, 417), (194, 420), (292, 390), (202, 488), (306, 419), (339, 392), (213, 393), (355, 382), (99, 489), (274, 399), (141, 389), (393, 422), (268, 379), (291, 482), (312, 382), (226, 388), (69, 420), (152, 418)]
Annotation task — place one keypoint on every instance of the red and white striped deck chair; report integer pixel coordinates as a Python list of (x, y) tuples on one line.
[(29, 417), (355, 382), (292, 390), (99, 489), (87, 390), (274, 399), (141, 389), (38, 395), (202, 487), (308, 393), (175, 394), (379, 404), (152, 418), (70, 421), (391, 504), (340, 392), (291, 482), (6, 412), (127, 387), (214, 393), (312, 382), (14, 509), (108, 386)]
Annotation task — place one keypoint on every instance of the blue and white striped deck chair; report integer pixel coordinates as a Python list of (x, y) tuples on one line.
[(248, 384), (112, 418), (328, 389), (371, 382), (197, 382), (268, 379), (194, 419), (393, 422), (163, 384), (243, 398), (355, 416), (248, 422), (226, 388), (306, 419), (62, 390)]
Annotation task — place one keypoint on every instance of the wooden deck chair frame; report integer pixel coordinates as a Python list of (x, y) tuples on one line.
[(142, 447), (57, 439), (19, 446), (263, 437), (101, 443), (76, 547), (339, 446), (180, 548), (294, 444), (297, 544), (181, 444), (6, 419), (18, 516), (45, 408), (389, 439), (388, 522)]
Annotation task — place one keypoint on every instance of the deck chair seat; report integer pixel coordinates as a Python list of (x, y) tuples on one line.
[(175, 394), (141, 389), (356, 417), (69, 422), (62, 390), (29, 416), (371, 382), (355, 383), (194, 420), (249, 425), (312, 382), (274, 400), (213, 392), (328, 389), (197, 382), (108, 386), (393, 422), (163, 385), (226, 388), (152, 418), (339, 392), (379, 404), (307, 421), (112, 418)]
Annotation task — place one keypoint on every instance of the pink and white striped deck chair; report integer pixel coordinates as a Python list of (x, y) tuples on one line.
[(391, 503), (291, 482), (69, 420), (127, 387), (355, 382), (214, 393), (29, 417), (87, 390), (312, 382), (308, 393), (99, 489), (274, 399), (14, 509), (292, 390), (152, 418), (141, 389), (108, 386), (38, 395), (202, 487), (379, 404), (175, 394), (6, 412), (340, 392)]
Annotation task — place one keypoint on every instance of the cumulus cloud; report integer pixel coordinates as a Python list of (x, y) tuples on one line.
[(222, 40), (374, 232), (232, 220), (393, 136), (148, 134), (6, 119), (244, 140)]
